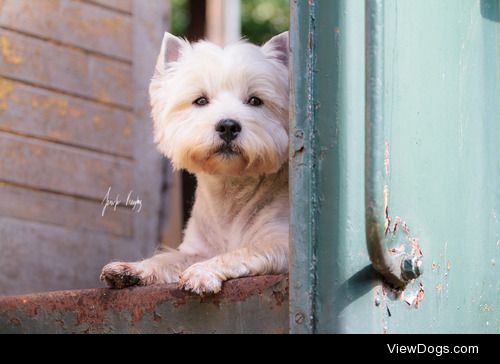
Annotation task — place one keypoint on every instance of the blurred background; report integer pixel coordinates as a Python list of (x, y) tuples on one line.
[(75, 131), (256, 20)]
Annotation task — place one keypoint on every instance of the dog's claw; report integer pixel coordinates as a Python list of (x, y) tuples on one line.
[(121, 275)]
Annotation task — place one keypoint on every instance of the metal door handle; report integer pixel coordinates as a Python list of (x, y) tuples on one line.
[(397, 269)]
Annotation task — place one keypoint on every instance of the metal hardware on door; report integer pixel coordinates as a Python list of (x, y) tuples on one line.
[(400, 268)]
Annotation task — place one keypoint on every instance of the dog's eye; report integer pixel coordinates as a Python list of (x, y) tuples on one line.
[(254, 101), (201, 101)]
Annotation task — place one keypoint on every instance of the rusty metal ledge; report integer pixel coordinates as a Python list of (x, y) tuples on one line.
[(247, 305)]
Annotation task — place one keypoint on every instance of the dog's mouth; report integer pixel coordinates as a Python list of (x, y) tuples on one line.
[(227, 150), (225, 159)]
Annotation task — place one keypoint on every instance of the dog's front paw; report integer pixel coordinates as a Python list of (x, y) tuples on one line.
[(120, 275), (200, 279)]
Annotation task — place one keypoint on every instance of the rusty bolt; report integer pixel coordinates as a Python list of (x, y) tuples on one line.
[(412, 267), (299, 318)]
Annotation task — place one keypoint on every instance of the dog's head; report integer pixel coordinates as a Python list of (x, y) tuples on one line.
[(222, 111)]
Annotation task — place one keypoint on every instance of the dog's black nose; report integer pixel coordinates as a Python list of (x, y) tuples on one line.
[(228, 129)]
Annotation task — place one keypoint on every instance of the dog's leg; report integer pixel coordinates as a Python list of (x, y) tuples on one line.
[(161, 268), (207, 276)]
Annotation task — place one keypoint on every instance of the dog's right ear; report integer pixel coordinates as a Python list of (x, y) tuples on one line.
[(277, 48), (170, 51)]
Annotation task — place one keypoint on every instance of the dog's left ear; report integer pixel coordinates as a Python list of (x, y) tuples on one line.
[(170, 52), (277, 48)]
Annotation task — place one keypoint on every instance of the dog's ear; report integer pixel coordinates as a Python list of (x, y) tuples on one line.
[(277, 48), (170, 51)]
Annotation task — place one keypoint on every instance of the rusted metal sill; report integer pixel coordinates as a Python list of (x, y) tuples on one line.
[(246, 305)]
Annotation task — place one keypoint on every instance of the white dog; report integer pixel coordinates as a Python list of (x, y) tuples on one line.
[(222, 114)]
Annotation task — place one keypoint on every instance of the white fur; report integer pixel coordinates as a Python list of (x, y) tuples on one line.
[(239, 222)]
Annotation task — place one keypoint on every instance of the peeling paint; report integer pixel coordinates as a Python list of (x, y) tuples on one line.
[(387, 222), (9, 55), (96, 27), (397, 221), (127, 132), (75, 113), (58, 134), (404, 245), (6, 89), (298, 142), (279, 297), (398, 250), (112, 24), (420, 295), (439, 288), (62, 106), (103, 98), (97, 120), (414, 298), (486, 308), (415, 248)]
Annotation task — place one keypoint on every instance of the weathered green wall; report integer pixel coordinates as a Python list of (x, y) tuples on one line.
[(441, 115)]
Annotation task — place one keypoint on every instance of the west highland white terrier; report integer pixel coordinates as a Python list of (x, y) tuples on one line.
[(222, 114)]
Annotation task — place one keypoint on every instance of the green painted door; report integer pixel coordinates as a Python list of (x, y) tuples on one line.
[(395, 102)]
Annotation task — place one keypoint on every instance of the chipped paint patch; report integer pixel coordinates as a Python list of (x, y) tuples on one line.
[(8, 54), (103, 97), (486, 308), (439, 288), (127, 132), (420, 295), (62, 106), (398, 250), (97, 120), (387, 222), (415, 248), (112, 24), (397, 221), (405, 246), (413, 298), (6, 88), (59, 134)]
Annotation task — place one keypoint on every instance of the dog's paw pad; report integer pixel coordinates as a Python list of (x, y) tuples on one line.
[(121, 275), (200, 280)]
